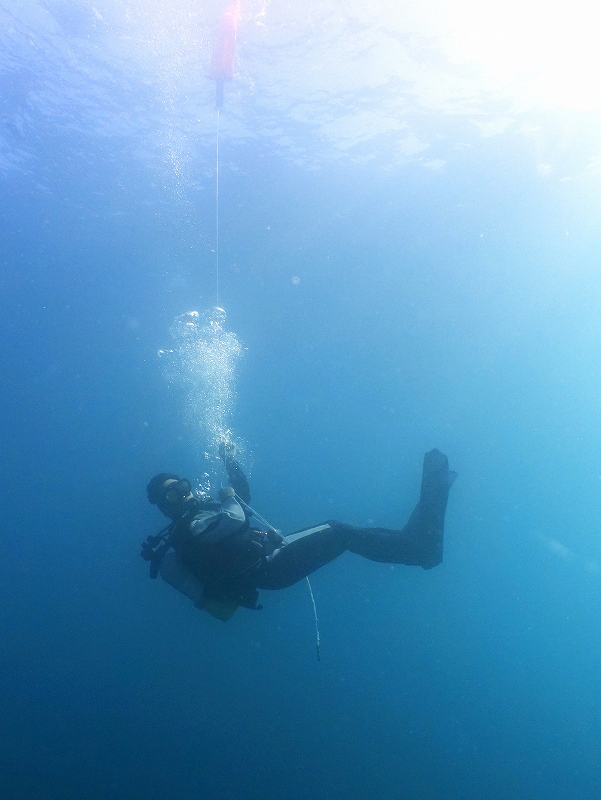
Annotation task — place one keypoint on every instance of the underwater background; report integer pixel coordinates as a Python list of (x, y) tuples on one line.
[(409, 242)]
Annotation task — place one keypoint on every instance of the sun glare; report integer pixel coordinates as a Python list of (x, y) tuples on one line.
[(546, 54)]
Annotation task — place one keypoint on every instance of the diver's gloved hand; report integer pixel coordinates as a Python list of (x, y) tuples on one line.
[(227, 450), (225, 492)]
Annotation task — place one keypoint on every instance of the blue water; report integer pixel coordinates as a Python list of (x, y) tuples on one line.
[(389, 299)]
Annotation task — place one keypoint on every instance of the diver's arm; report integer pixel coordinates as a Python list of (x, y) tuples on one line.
[(237, 478)]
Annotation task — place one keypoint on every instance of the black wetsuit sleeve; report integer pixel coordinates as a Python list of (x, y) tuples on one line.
[(238, 480)]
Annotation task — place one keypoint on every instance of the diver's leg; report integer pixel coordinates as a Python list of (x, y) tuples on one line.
[(419, 543), (302, 553)]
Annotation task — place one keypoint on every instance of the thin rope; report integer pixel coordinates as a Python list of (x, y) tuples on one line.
[(217, 216), (317, 643), (251, 511)]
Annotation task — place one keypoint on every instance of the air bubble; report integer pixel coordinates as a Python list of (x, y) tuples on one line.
[(202, 366)]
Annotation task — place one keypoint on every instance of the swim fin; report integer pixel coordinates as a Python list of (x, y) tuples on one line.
[(437, 478)]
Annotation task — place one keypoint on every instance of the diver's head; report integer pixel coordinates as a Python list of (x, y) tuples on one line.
[(171, 494)]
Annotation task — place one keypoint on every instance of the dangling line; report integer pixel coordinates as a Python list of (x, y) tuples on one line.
[(316, 622), (252, 513), (217, 216)]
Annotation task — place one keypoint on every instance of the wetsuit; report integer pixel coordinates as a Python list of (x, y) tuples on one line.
[(226, 560), (419, 543)]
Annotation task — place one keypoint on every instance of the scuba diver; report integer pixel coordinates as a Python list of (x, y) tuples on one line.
[(220, 553)]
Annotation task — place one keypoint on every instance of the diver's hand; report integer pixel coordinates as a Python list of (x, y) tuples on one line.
[(225, 492), (227, 450)]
